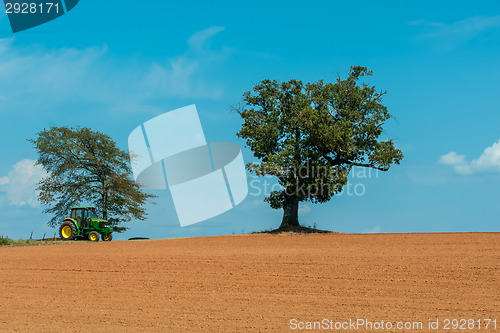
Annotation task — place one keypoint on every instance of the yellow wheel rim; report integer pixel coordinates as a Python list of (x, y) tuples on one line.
[(93, 237), (105, 237), (66, 231)]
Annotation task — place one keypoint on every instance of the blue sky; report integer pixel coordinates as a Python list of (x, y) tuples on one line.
[(112, 67)]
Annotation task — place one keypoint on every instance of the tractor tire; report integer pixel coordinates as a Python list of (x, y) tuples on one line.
[(93, 236), (68, 231), (107, 238)]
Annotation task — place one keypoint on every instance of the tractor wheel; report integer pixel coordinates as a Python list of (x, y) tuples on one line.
[(68, 231), (93, 236), (107, 238)]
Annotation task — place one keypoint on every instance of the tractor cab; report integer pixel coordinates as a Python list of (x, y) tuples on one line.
[(84, 216), (84, 223)]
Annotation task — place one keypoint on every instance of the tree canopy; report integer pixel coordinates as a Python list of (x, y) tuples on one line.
[(87, 167), (310, 135)]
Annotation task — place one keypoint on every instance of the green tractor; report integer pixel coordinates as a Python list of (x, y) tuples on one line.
[(84, 224)]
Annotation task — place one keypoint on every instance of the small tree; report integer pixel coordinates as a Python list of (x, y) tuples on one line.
[(87, 167), (309, 136)]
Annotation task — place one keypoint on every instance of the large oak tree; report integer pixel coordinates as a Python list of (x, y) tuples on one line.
[(309, 136)]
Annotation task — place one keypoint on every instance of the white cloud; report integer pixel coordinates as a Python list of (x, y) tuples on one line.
[(181, 75), (54, 76), (4, 180), (469, 27), (198, 41), (47, 75), (20, 184), (488, 162), (452, 158), (374, 230), (451, 35)]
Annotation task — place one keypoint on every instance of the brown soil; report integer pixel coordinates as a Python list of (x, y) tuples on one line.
[(251, 283)]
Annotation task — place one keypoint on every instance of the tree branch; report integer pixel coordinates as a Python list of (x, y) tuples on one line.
[(367, 165)]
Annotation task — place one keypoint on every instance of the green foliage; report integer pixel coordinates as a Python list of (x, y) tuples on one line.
[(87, 167), (4, 241), (310, 135)]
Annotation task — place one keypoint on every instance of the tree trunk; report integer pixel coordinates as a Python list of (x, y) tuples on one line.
[(105, 207), (290, 213), (104, 198)]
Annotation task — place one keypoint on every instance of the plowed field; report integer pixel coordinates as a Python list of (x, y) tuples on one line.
[(253, 283)]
